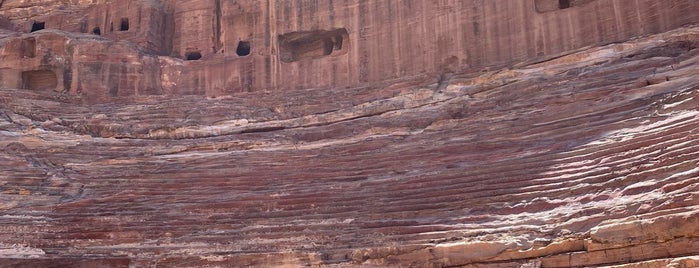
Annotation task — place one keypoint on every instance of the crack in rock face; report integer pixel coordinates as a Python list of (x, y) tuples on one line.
[(354, 133)]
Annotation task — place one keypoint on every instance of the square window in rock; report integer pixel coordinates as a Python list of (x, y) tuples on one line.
[(36, 26), (124, 25), (243, 48)]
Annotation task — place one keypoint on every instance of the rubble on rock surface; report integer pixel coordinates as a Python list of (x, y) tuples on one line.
[(349, 133)]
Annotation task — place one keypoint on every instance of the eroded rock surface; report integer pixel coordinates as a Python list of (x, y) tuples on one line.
[(102, 49), (555, 159)]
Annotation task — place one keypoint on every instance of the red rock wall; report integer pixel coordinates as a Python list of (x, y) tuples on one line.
[(582, 160), (149, 25), (114, 70), (89, 66), (391, 39), (386, 40), (585, 160), (35, 53)]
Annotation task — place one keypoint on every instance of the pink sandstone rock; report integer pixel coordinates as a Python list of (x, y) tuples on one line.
[(528, 133)]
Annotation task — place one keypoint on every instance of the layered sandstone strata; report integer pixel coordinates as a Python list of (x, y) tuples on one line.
[(112, 155)]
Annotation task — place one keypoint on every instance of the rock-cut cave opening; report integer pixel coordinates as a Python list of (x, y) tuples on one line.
[(297, 46), (563, 4), (124, 25), (192, 55), (38, 25), (96, 31), (243, 48)]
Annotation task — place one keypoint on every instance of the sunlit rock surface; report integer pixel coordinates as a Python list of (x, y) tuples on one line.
[(563, 134)]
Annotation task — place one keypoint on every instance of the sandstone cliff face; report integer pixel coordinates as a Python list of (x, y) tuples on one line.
[(219, 48), (349, 134)]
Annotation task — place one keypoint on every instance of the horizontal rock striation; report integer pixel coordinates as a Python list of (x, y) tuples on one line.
[(586, 159)]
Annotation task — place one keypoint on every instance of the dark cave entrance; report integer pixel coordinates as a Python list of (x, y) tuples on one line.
[(563, 4), (96, 31), (37, 25), (312, 45), (124, 25), (243, 48), (192, 55)]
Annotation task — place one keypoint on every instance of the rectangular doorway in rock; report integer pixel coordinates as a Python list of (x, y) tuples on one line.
[(39, 80), (298, 46), (124, 25)]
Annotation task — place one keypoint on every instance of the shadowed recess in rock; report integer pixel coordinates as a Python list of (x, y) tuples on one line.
[(298, 46), (192, 55), (38, 25), (124, 25), (243, 48)]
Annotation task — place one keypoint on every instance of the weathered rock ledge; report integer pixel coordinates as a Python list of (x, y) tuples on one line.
[(587, 159)]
